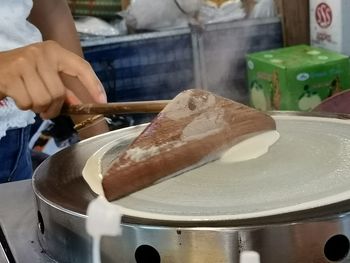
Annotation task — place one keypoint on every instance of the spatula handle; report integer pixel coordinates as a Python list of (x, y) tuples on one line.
[(116, 108)]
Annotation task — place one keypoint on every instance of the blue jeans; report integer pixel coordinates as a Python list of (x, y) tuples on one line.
[(15, 160)]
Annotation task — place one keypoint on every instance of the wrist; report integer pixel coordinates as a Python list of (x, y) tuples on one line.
[(91, 126)]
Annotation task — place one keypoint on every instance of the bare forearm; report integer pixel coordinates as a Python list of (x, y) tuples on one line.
[(55, 22)]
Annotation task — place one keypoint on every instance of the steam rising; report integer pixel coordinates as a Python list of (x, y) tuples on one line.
[(217, 50)]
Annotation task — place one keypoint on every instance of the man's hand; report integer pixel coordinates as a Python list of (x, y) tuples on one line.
[(31, 76)]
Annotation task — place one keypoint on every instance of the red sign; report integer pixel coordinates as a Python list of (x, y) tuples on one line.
[(323, 15)]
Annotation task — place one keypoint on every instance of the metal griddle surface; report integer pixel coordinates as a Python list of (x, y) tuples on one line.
[(59, 182)]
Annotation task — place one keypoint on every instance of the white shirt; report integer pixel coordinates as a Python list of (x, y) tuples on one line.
[(15, 31)]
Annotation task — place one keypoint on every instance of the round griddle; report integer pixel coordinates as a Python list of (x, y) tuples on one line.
[(304, 175)]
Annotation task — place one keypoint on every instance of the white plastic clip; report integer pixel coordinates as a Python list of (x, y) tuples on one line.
[(249, 257), (103, 219)]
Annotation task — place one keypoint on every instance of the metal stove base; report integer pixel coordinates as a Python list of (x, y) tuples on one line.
[(18, 220), (316, 235), (323, 240)]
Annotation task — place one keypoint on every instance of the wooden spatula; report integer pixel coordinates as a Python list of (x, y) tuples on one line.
[(116, 108), (194, 128)]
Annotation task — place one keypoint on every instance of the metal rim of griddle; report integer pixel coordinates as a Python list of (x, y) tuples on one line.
[(327, 212)]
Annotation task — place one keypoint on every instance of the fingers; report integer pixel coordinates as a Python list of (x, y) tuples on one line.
[(71, 99), (45, 89), (73, 65), (51, 79), (38, 93), (54, 86), (53, 110), (23, 99)]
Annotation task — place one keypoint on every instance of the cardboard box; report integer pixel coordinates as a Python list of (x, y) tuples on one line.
[(330, 25), (295, 78)]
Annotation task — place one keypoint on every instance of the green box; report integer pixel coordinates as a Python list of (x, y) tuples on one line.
[(295, 78)]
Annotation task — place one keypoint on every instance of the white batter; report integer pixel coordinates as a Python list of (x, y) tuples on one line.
[(92, 170), (307, 167), (251, 148)]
